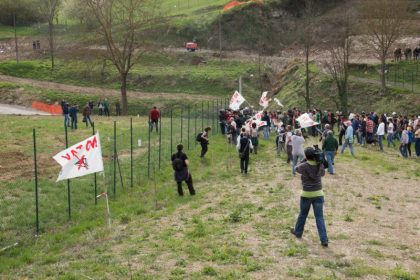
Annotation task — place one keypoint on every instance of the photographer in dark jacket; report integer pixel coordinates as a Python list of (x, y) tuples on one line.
[(312, 194)]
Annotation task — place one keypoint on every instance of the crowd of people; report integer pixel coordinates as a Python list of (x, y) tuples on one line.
[(242, 129)]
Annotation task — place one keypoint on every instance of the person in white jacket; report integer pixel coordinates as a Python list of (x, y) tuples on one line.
[(380, 133)]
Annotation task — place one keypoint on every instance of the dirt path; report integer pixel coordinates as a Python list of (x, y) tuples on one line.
[(102, 91), (6, 109)]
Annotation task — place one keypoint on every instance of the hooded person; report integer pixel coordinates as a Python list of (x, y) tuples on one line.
[(181, 173)]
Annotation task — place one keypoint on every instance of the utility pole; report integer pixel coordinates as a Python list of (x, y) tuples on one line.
[(240, 84), (220, 36), (16, 41)]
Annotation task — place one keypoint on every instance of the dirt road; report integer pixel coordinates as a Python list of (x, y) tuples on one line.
[(6, 109)]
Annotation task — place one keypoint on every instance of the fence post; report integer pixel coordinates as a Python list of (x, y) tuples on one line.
[(188, 128), (68, 180), (213, 129), (412, 82), (202, 115), (195, 122), (94, 174), (217, 115), (171, 132), (115, 157), (148, 150), (36, 184), (131, 152), (208, 113), (182, 123), (160, 138), (403, 78)]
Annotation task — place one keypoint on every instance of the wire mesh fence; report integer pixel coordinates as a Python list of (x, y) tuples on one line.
[(31, 200)]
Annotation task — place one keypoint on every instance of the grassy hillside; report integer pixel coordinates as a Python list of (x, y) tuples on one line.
[(364, 93)]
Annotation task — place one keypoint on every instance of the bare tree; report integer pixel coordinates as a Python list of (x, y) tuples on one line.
[(307, 39), (383, 22), (121, 22), (49, 10), (339, 48)]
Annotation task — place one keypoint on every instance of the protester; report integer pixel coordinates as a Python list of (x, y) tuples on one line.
[(370, 127), (404, 143), (266, 128), (100, 108), (204, 141), (244, 146), (73, 116), (289, 148), (280, 138), (222, 121), (417, 137), (181, 173), (154, 116), (105, 103), (390, 136), (312, 194), (117, 108), (410, 139), (330, 147), (380, 133), (86, 115), (298, 153), (348, 139), (254, 137), (65, 109)]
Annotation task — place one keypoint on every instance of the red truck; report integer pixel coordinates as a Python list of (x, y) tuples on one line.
[(191, 46)]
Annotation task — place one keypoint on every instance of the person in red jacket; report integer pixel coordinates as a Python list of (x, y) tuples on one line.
[(154, 116)]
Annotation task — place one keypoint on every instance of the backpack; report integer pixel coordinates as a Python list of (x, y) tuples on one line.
[(198, 138), (177, 164)]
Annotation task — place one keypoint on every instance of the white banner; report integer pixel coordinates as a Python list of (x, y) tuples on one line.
[(236, 101), (306, 121), (261, 123), (264, 100), (258, 116), (278, 102), (80, 159)]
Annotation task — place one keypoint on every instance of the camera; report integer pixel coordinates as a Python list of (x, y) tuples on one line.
[(319, 155)]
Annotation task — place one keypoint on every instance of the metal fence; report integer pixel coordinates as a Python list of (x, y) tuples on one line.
[(32, 203), (404, 74)]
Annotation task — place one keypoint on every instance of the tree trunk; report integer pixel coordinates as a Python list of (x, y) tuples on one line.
[(51, 41), (307, 98), (16, 40), (124, 101), (383, 77)]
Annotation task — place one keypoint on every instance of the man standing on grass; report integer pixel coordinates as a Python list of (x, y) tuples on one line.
[(330, 147), (312, 194), (154, 116), (65, 109), (380, 133), (73, 115), (181, 172), (204, 141), (348, 139), (87, 112)]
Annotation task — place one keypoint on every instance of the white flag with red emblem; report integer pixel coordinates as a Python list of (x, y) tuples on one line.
[(264, 100), (306, 121), (80, 159), (236, 101)]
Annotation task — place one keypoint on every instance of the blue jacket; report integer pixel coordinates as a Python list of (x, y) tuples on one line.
[(349, 132)]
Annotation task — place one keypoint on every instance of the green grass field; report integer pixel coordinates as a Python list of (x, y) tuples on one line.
[(236, 227)]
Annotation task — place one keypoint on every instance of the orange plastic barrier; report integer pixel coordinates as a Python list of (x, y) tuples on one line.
[(232, 4), (52, 109)]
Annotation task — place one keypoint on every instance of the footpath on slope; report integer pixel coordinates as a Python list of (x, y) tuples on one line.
[(102, 91), (6, 109)]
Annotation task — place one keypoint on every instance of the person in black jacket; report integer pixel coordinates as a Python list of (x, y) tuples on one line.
[(73, 116), (244, 146), (181, 172), (312, 194), (204, 141)]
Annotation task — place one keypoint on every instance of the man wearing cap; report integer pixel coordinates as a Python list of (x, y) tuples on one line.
[(348, 139)]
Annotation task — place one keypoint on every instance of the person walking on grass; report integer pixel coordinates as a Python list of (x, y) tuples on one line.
[(181, 173), (254, 137), (380, 133), (298, 153), (289, 148), (348, 139), (106, 107), (154, 116), (266, 128), (330, 147), (410, 139), (87, 111), (390, 135), (73, 116), (244, 147), (417, 139), (404, 143), (312, 194), (65, 109), (204, 141)]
